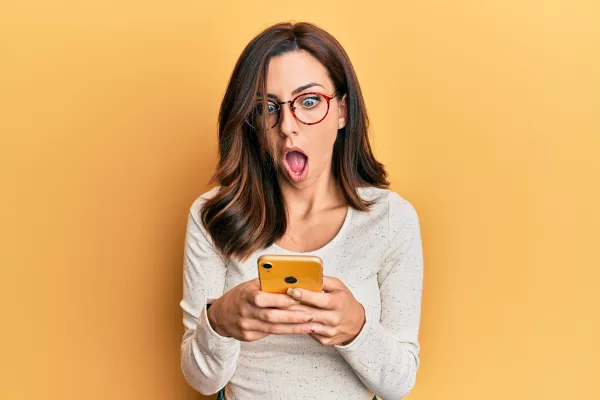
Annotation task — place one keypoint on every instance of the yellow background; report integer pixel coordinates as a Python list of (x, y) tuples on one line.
[(486, 114)]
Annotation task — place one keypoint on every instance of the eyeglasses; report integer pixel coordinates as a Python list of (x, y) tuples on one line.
[(308, 108)]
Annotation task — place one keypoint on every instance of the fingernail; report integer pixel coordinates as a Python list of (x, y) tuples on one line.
[(293, 293), (312, 330), (308, 318)]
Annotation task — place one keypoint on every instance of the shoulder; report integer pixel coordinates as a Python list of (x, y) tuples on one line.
[(397, 207)]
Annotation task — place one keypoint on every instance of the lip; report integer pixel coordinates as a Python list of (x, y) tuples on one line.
[(294, 176)]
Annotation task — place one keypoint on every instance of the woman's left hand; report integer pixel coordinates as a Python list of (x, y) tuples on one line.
[(338, 317)]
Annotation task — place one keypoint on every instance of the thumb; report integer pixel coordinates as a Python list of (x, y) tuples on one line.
[(331, 284)]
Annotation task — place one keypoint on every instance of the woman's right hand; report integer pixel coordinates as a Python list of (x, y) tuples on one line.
[(246, 313)]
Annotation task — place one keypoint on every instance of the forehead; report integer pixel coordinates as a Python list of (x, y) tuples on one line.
[(294, 69)]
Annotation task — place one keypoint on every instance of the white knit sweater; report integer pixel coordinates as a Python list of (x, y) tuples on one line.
[(377, 254)]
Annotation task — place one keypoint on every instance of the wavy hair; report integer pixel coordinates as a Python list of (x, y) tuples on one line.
[(249, 212)]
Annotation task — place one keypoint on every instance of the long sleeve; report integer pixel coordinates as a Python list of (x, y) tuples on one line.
[(208, 360), (385, 354)]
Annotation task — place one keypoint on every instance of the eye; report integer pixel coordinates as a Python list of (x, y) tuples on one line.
[(271, 108), (310, 101)]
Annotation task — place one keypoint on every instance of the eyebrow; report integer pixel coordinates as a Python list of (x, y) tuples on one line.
[(297, 90)]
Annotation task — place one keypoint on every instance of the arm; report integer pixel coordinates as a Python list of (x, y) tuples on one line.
[(208, 360), (385, 353)]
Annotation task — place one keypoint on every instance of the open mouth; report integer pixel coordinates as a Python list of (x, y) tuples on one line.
[(296, 165)]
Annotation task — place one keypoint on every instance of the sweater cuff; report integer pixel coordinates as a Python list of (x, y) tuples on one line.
[(358, 340), (211, 340)]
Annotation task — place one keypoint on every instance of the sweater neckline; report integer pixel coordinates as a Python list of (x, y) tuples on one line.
[(327, 245)]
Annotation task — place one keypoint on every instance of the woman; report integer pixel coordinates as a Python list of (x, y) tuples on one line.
[(297, 175)]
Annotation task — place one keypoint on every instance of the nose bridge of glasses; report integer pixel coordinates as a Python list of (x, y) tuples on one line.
[(281, 106), (289, 103)]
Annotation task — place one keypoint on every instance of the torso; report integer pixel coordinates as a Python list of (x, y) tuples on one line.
[(351, 245), (310, 234)]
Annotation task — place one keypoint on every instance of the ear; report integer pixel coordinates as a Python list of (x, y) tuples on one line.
[(342, 112)]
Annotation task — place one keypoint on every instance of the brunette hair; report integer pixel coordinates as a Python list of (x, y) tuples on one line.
[(248, 213)]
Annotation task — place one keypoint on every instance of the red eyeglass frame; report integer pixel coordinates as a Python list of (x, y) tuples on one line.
[(293, 110)]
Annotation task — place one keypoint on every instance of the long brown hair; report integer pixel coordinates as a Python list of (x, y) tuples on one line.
[(249, 213)]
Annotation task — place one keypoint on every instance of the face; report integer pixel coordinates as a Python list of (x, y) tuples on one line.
[(304, 151)]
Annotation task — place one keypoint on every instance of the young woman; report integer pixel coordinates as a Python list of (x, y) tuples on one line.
[(297, 175)]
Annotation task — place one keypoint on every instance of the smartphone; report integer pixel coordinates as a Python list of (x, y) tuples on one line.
[(277, 273)]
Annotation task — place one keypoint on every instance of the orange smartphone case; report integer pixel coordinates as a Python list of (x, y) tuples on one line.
[(277, 273)]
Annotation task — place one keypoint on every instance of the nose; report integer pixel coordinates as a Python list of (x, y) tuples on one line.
[(288, 125)]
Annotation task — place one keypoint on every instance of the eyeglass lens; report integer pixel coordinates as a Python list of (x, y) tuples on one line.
[(308, 108)]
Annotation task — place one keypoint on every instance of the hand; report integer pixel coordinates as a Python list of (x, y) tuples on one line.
[(338, 316), (247, 314)]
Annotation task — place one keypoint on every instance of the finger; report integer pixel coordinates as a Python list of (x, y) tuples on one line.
[(276, 316), (322, 330), (255, 287), (326, 317), (251, 336), (280, 329), (331, 284), (325, 341), (306, 308), (316, 299), (300, 307), (275, 300)]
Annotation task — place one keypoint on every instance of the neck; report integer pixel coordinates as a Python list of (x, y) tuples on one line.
[(322, 194)]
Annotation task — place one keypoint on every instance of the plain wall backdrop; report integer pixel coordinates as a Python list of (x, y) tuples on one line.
[(485, 112)]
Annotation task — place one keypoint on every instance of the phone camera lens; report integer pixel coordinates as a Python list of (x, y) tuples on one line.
[(290, 279), (267, 266)]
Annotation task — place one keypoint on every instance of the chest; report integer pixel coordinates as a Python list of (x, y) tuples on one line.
[(355, 257), (305, 235)]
